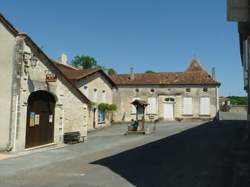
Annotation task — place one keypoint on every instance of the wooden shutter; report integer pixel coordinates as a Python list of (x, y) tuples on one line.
[(204, 105), (151, 108), (188, 105)]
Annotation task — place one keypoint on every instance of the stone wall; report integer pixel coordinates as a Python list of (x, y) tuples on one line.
[(125, 94), (70, 112), (7, 55), (238, 108), (99, 82)]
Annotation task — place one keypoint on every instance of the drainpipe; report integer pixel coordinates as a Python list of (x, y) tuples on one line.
[(15, 124)]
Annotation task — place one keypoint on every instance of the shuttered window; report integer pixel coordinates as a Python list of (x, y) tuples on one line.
[(133, 107), (204, 105), (151, 108), (187, 105)]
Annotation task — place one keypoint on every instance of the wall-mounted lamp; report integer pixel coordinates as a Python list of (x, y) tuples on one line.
[(33, 61)]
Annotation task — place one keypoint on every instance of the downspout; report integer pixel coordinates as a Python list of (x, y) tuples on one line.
[(15, 124)]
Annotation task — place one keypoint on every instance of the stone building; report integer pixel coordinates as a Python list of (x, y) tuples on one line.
[(239, 11), (97, 87), (192, 94), (38, 102)]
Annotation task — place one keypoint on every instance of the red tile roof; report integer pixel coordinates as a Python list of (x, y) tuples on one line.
[(75, 74), (29, 41), (193, 75)]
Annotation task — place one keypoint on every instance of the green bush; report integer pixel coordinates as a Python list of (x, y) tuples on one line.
[(107, 107), (238, 100)]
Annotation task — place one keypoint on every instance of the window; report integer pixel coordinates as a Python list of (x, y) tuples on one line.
[(188, 90), (136, 90), (95, 95), (133, 107), (151, 108), (205, 89), (101, 116), (152, 90), (169, 99), (204, 106), (187, 105), (104, 96), (85, 91)]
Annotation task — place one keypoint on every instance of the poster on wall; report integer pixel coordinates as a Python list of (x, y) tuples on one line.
[(32, 119), (50, 118), (37, 119)]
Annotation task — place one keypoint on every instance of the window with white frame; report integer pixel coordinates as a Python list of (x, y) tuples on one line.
[(187, 105), (133, 107), (104, 100), (85, 91), (204, 106), (151, 108), (95, 95)]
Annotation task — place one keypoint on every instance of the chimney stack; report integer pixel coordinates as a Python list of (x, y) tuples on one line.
[(213, 73), (63, 59), (132, 74)]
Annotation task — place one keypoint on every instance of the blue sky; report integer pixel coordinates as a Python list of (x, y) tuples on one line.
[(159, 35)]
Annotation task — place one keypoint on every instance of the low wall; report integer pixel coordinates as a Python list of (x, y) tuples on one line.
[(238, 108)]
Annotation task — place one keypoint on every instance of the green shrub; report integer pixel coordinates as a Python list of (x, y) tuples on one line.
[(107, 107), (238, 100)]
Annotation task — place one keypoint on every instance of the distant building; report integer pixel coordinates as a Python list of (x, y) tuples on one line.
[(192, 94)]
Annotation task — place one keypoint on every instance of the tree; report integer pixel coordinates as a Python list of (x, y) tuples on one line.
[(84, 62), (149, 71), (238, 100), (111, 72)]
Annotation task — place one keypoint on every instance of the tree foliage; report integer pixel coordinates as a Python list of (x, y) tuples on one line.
[(84, 62), (111, 72), (149, 71), (88, 62), (238, 100)]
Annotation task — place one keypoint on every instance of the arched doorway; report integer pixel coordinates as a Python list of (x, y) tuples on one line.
[(40, 119)]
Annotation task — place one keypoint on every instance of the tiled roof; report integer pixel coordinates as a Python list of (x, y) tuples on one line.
[(29, 41), (194, 74), (75, 74)]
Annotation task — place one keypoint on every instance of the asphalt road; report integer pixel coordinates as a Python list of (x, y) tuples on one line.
[(198, 154)]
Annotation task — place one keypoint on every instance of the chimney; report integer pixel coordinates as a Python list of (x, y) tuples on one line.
[(132, 74), (63, 59), (213, 73)]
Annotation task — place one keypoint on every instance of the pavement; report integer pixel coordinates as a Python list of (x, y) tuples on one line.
[(177, 154)]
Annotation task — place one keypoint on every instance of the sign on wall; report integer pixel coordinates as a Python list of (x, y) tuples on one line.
[(51, 77)]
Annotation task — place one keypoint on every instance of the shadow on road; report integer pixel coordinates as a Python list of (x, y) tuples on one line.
[(201, 156)]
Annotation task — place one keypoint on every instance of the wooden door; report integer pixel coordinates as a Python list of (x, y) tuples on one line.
[(40, 119)]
